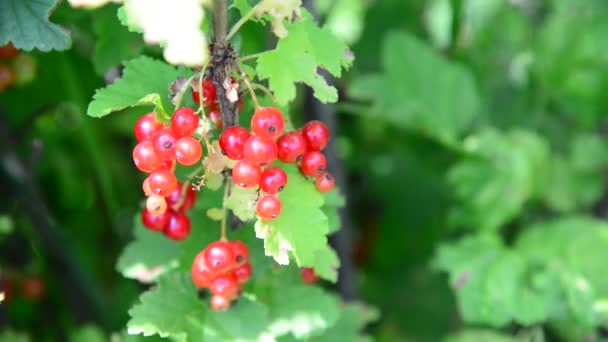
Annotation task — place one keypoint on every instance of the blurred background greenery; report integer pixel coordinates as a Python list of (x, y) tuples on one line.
[(473, 138)]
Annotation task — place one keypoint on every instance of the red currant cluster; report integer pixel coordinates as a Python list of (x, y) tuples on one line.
[(257, 149), (210, 101), (158, 148), (223, 267)]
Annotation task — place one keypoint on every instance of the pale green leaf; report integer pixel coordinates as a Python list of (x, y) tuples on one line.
[(478, 335), (353, 319), (242, 202)]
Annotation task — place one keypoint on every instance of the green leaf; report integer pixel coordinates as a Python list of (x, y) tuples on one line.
[(115, 44), (477, 335), (145, 81), (353, 319), (242, 202), (26, 24), (88, 333), (442, 106), (346, 19), (148, 256), (297, 57), (326, 264), (438, 18), (333, 201), (9, 335)]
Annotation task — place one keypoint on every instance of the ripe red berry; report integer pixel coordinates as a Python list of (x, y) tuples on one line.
[(246, 174), (316, 135), (325, 182), (168, 165), (176, 196), (313, 164), (184, 121), (164, 143), (8, 51), (268, 208), (156, 222), (308, 275), (209, 93), (273, 180), (188, 151), (224, 285), (146, 187), (267, 122), (162, 182), (242, 273), (220, 303), (291, 147), (33, 288), (232, 141), (201, 274), (178, 227), (240, 252), (219, 256), (156, 205), (7, 76), (215, 116), (259, 150), (146, 127), (146, 158)]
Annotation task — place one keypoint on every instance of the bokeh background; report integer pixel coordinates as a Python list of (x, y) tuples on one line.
[(471, 140)]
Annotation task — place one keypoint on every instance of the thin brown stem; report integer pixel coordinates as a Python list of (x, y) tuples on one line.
[(251, 91), (220, 20)]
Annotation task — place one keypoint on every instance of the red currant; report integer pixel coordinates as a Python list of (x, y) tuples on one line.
[(178, 227), (308, 275), (146, 127), (240, 251), (168, 165), (273, 180), (246, 174), (259, 150), (33, 288), (268, 208), (146, 187), (176, 196), (232, 141), (156, 205), (224, 285), (184, 121), (219, 256), (325, 182), (156, 222), (267, 122), (291, 147), (313, 164), (209, 94), (220, 303), (201, 274), (316, 135), (8, 51), (188, 151), (215, 116), (146, 158), (242, 273), (164, 143), (162, 182)]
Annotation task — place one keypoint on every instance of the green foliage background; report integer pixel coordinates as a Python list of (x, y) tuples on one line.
[(473, 136)]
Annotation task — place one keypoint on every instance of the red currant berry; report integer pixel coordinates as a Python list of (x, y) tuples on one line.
[(291, 147), (184, 121), (168, 165), (220, 303), (215, 116), (267, 122), (325, 182), (308, 275), (313, 164), (188, 151), (176, 197), (33, 288), (259, 150), (224, 285), (219, 256), (232, 141), (242, 273), (273, 180), (146, 158), (268, 208), (7, 76), (156, 205), (240, 251), (8, 51), (164, 143), (178, 227), (146, 187), (201, 274), (156, 222), (209, 94), (162, 182), (246, 174), (146, 127), (316, 135)]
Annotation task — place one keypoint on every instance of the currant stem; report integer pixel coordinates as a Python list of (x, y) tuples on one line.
[(187, 183), (251, 91), (182, 92), (249, 57), (235, 28), (265, 91), (227, 186)]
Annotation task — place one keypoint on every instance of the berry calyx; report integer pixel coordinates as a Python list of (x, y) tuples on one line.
[(188, 151), (267, 122), (184, 121), (268, 208), (155, 222), (273, 180), (242, 273), (146, 158), (291, 147), (220, 303), (246, 174), (325, 182), (219, 256), (156, 205), (232, 141), (178, 227), (240, 252), (316, 134), (224, 285), (164, 143), (313, 164), (162, 182), (146, 127), (259, 150)]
